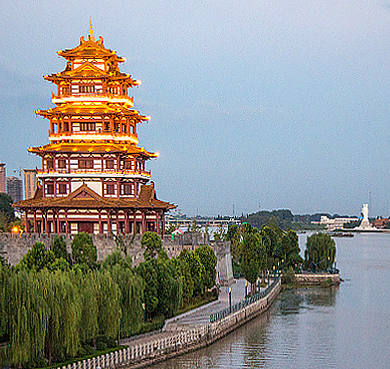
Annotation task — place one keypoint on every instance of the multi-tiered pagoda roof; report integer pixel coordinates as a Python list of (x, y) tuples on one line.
[(93, 160)]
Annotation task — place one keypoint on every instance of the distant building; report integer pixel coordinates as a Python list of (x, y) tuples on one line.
[(2, 177), (30, 183), (14, 188), (381, 223), (336, 223)]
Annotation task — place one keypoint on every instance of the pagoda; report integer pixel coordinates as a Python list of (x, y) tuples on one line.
[(93, 177)]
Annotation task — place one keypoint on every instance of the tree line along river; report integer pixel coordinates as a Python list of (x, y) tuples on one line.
[(343, 327)]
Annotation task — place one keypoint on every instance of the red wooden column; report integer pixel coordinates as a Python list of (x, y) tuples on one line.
[(162, 224), (158, 222), (127, 225), (58, 222), (100, 222), (26, 222), (67, 230), (134, 222), (117, 222), (35, 222), (46, 224), (109, 221), (143, 222)]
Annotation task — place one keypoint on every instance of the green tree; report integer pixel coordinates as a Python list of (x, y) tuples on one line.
[(6, 208), (87, 284), (209, 260), (83, 250), (37, 258), (182, 269), (151, 241), (196, 269), (320, 250), (147, 270), (233, 235), (132, 291), (59, 248), (252, 253), (271, 245), (169, 289), (109, 315), (290, 250), (4, 299)]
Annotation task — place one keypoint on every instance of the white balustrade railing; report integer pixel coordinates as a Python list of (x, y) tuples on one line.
[(160, 346)]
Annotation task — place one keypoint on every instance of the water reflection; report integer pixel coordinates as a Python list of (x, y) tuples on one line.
[(346, 327)]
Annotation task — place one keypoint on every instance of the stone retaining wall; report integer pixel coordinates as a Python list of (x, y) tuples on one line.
[(175, 344), (316, 278)]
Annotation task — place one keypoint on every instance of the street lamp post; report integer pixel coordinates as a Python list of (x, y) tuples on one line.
[(230, 297)]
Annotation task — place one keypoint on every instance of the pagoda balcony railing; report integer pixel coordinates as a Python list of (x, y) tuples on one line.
[(114, 172), (123, 135), (104, 96)]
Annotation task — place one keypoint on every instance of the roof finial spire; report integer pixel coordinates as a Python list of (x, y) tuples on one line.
[(90, 37)]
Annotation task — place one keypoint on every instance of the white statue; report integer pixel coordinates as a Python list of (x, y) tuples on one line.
[(365, 213), (365, 224)]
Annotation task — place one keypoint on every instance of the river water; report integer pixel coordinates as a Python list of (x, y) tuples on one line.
[(344, 327)]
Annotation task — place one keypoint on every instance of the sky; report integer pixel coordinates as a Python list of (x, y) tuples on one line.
[(255, 105)]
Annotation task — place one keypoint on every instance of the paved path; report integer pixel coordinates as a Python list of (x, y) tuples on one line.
[(202, 316), (196, 318)]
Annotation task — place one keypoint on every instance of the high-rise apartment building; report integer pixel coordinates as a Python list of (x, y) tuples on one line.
[(30, 183), (14, 188), (2, 177)]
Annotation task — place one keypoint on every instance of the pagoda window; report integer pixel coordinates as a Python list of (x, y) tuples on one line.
[(109, 164), (126, 164), (113, 90), (110, 189), (87, 89), (117, 127), (50, 189), (66, 126), (85, 164), (65, 90), (62, 163), (127, 189), (62, 188), (106, 126), (87, 126), (50, 164)]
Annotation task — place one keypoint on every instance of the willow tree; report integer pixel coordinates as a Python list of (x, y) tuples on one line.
[(131, 287), (109, 296), (28, 318), (320, 250), (63, 299), (4, 299), (87, 285)]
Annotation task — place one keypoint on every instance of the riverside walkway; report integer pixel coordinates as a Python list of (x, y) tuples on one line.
[(194, 318), (188, 332)]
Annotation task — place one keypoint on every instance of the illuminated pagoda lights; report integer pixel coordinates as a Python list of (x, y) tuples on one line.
[(93, 176)]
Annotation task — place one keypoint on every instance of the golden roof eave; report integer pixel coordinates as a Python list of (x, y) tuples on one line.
[(103, 148), (91, 199)]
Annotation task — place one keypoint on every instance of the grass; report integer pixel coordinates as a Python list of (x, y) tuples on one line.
[(197, 302)]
